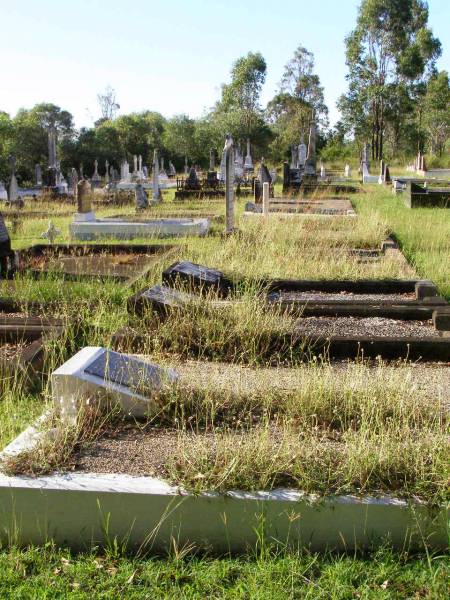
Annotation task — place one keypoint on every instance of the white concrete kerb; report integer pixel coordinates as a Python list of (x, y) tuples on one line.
[(150, 513)]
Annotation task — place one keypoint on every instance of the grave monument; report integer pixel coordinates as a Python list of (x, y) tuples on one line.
[(13, 190)]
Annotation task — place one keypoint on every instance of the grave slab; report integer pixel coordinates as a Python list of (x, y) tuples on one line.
[(197, 277)]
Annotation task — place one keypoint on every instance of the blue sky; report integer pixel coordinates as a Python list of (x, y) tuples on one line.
[(168, 56)]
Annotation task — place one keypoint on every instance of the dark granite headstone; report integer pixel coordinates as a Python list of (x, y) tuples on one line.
[(127, 371), (162, 299), (197, 277), (6, 253), (192, 182)]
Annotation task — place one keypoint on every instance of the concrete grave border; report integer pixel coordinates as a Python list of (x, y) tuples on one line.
[(82, 509)]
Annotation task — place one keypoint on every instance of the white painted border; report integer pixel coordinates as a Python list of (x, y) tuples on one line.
[(81, 509)]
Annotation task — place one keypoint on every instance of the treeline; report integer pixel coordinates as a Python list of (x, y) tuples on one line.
[(396, 100)]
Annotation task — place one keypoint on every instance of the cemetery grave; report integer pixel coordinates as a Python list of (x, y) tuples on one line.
[(153, 477), (119, 262), (329, 207), (416, 196)]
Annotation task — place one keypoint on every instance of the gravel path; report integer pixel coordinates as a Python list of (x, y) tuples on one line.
[(364, 326), (345, 297)]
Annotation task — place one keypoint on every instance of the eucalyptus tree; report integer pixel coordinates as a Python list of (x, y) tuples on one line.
[(391, 46)]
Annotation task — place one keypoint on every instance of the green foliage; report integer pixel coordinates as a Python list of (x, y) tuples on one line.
[(437, 112), (388, 53)]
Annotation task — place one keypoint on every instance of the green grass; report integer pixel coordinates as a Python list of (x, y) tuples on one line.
[(306, 247), (48, 573)]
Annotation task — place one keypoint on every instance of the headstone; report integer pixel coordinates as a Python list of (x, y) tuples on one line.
[(301, 153), (84, 197), (197, 277), (248, 164), (192, 182), (310, 164), (106, 172), (266, 198), (294, 157), (13, 190), (140, 172), (38, 175), (156, 196), (3, 192), (140, 197), (135, 165), (74, 178), (172, 170), (96, 179), (212, 160), (273, 176), (52, 233), (108, 376), (162, 299), (264, 174), (186, 168), (228, 152), (125, 176), (145, 171), (6, 254), (347, 171)]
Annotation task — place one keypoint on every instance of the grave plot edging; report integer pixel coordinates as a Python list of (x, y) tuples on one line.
[(82, 509)]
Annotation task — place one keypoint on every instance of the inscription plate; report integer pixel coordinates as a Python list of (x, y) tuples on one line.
[(128, 371)]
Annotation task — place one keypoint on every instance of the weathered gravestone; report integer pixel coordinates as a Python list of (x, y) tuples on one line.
[(140, 197), (3, 192), (156, 196), (197, 277), (96, 179), (98, 375), (192, 182), (84, 199), (228, 154), (6, 253), (13, 190)]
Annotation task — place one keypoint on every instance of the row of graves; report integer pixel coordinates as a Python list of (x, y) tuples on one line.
[(116, 498)]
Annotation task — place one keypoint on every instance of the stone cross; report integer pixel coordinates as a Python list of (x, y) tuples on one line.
[(228, 152), (84, 197), (52, 233), (156, 197)]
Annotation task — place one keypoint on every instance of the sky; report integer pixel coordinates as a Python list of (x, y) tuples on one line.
[(170, 57)]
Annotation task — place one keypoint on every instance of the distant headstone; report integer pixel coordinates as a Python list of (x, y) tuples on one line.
[(301, 153), (84, 197), (74, 178), (51, 233), (186, 168), (156, 195), (6, 254), (264, 174), (212, 160), (38, 175), (96, 179), (13, 190), (248, 163), (140, 197), (192, 182), (172, 170), (106, 172), (228, 153), (3, 192), (310, 164)]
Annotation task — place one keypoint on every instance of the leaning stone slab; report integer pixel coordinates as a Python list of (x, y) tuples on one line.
[(197, 277), (100, 374), (160, 299)]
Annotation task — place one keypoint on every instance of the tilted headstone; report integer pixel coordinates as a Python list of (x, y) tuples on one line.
[(96, 374), (161, 299), (197, 277), (140, 197)]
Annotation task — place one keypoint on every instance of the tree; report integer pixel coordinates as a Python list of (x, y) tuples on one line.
[(108, 104), (6, 134), (290, 109), (437, 112), (239, 111), (390, 46)]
